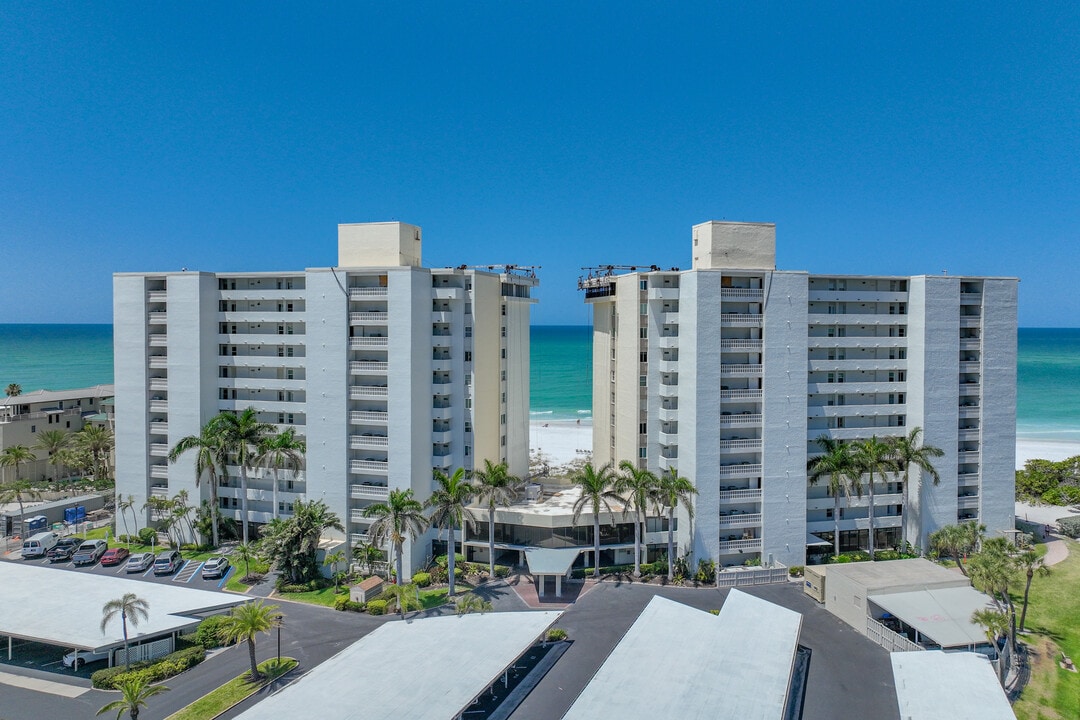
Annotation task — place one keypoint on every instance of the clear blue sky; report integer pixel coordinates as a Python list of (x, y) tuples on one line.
[(898, 138)]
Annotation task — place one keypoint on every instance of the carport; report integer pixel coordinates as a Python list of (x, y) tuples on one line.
[(940, 616), (550, 562), (63, 608)]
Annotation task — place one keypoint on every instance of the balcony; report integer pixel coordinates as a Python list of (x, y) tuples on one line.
[(157, 295), (970, 298), (855, 295), (159, 405), (967, 366), (668, 438), (159, 383), (740, 470), (442, 460), (442, 436), (970, 321), (356, 343), (867, 364), (740, 345), (442, 365), (969, 343), (740, 546), (368, 466), (159, 340), (747, 418), (365, 417), (819, 341), (740, 320), (159, 449), (365, 442), (876, 386), (749, 394), (855, 410), (740, 445), (442, 316), (161, 491), (663, 293), (442, 413), (967, 456), (668, 414), (970, 388), (359, 293), (366, 492), (667, 341), (359, 367), (159, 428), (159, 471), (748, 495), (159, 361), (368, 318), (741, 293), (365, 392), (739, 519), (447, 293), (156, 317), (856, 433), (739, 370), (669, 391), (967, 502)]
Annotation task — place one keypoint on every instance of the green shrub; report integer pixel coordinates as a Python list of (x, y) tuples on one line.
[(753, 562), (208, 634), (345, 603), (714, 612), (1069, 526), (556, 634), (502, 571), (438, 574), (444, 560), (377, 607), (147, 536), (133, 539), (422, 579), (151, 671), (459, 572), (706, 571), (795, 571)]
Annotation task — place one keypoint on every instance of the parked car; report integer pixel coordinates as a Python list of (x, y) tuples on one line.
[(89, 552), (166, 562), (40, 544), (139, 562), (215, 567), (115, 556), (64, 549), (77, 658)]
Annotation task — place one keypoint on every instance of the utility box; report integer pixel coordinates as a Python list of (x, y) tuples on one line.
[(814, 582), (367, 590)]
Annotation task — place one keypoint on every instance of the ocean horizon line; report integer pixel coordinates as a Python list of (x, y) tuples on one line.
[(531, 325)]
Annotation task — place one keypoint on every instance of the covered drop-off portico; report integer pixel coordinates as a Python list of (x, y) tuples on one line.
[(550, 562)]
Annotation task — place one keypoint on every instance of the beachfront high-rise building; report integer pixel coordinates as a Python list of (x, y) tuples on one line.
[(731, 370), (385, 368)]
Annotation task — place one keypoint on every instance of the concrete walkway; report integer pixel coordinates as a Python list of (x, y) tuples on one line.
[(1057, 549), (39, 685), (524, 586)]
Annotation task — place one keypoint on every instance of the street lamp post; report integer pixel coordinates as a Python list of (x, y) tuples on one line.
[(280, 622)]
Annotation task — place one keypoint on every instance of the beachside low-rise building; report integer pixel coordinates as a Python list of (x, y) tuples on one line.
[(385, 368), (730, 371)]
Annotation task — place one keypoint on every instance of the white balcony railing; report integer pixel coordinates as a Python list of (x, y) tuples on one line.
[(741, 495), (369, 466), (159, 471), (741, 419), (747, 444), (740, 519), (368, 342), (740, 320), (361, 417), (369, 492), (732, 293), (367, 292), (740, 344), (368, 318), (368, 366), (363, 442), (740, 470), (732, 370), (740, 394), (159, 449), (361, 392), (751, 545)]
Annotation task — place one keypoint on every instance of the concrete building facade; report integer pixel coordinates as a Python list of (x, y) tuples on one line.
[(387, 369), (729, 372)]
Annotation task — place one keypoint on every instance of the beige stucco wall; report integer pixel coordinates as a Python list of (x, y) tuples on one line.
[(383, 244), (734, 245)]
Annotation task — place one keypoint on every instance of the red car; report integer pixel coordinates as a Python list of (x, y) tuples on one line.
[(114, 556)]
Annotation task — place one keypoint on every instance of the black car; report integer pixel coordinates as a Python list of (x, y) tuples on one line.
[(64, 549)]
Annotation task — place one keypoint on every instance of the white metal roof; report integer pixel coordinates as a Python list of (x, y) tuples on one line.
[(957, 685), (941, 614), (551, 561), (676, 661), (44, 396), (59, 607), (427, 668)]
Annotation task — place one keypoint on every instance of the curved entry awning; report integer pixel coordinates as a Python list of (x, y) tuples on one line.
[(550, 562)]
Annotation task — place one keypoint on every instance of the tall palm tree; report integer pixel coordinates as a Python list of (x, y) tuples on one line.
[(130, 607), (280, 451), (333, 560), (837, 465), (245, 622), (495, 486), (245, 553), (400, 517), (210, 458), (992, 570), (637, 487), (19, 490), (14, 457), (124, 506), (597, 489), (241, 435), (13, 390), (873, 457), (181, 513), (134, 692), (449, 509), (367, 555), (52, 442), (1029, 562), (99, 442), (403, 598), (909, 450), (957, 541), (673, 491), (995, 623)]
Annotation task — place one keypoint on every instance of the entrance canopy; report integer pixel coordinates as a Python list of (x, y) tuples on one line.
[(551, 561), (812, 540), (942, 615)]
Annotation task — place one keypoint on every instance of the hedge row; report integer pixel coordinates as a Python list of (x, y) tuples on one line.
[(347, 604), (149, 670)]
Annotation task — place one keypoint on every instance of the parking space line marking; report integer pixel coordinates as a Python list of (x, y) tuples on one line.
[(226, 576), (149, 570), (45, 686)]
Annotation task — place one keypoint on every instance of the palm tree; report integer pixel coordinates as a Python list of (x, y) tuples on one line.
[(495, 486), (134, 692), (637, 487), (123, 506), (241, 436), (130, 607), (597, 489), (1029, 562), (957, 541), (245, 553), (246, 621), (15, 456), (995, 623), (908, 450), (210, 458), (403, 598), (99, 442), (282, 450), (836, 463), (672, 492), (472, 603), (400, 517), (449, 509), (52, 442), (181, 514), (293, 544), (333, 559), (13, 390), (367, 555), (992, 570), (873, 457)]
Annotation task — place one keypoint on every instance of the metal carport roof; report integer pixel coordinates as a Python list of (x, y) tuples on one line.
[(942, 615)]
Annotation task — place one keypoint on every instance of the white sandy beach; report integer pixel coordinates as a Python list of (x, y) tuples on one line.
[(561, 443)]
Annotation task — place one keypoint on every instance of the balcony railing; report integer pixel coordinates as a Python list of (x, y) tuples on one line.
[(740, 344), (751, 545), (159, 361), (361, 442), (740, 519), (368, 342), (367, 318), (740, 394), (362, 466), (368, 492), (159, 428), (740, 320), (741, 419), (731, 293), (741, 470), (159, 449), (367, 292), (741, 495), (739, 445), (159, 471), (361, 392), (360, 417), (732, 370), (157, 295), (367, 366)]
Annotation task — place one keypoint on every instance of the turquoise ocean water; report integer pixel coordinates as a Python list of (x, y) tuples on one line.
[(70, 356)]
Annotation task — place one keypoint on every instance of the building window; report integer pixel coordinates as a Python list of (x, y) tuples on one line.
[(642, 380), (468, 403), (644, 357), (504, 375), (502, 419), (468, 426), (468, 450), (468, 356), (468, 331), (504, 331), (504, 397), (643, 333), (644, 284), (644, 308), (642, 453), (33, 428), (504, 353), (502, 441), (642, 428)]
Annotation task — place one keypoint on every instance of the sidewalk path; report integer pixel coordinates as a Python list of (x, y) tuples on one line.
[(1056, 550), (45, 686)]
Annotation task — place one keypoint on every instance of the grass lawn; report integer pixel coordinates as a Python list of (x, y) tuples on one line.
[(433, 598), (99, 534), (1054, 624), (239, 688), (326, 596), (234, 583)]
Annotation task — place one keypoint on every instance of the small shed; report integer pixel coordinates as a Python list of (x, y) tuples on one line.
[(367, 590)]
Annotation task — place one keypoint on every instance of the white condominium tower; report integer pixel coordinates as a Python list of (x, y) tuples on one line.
[(730, 371), (385, 368)]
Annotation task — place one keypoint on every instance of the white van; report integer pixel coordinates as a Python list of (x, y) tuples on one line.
[(39, 544)]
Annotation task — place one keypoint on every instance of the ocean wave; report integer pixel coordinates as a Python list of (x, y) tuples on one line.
[(541, 412), (584, 412)]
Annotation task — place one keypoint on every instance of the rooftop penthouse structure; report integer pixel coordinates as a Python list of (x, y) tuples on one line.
[(385, 368), (730, 371)]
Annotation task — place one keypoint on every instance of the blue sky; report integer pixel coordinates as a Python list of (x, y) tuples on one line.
[(901, 138)]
